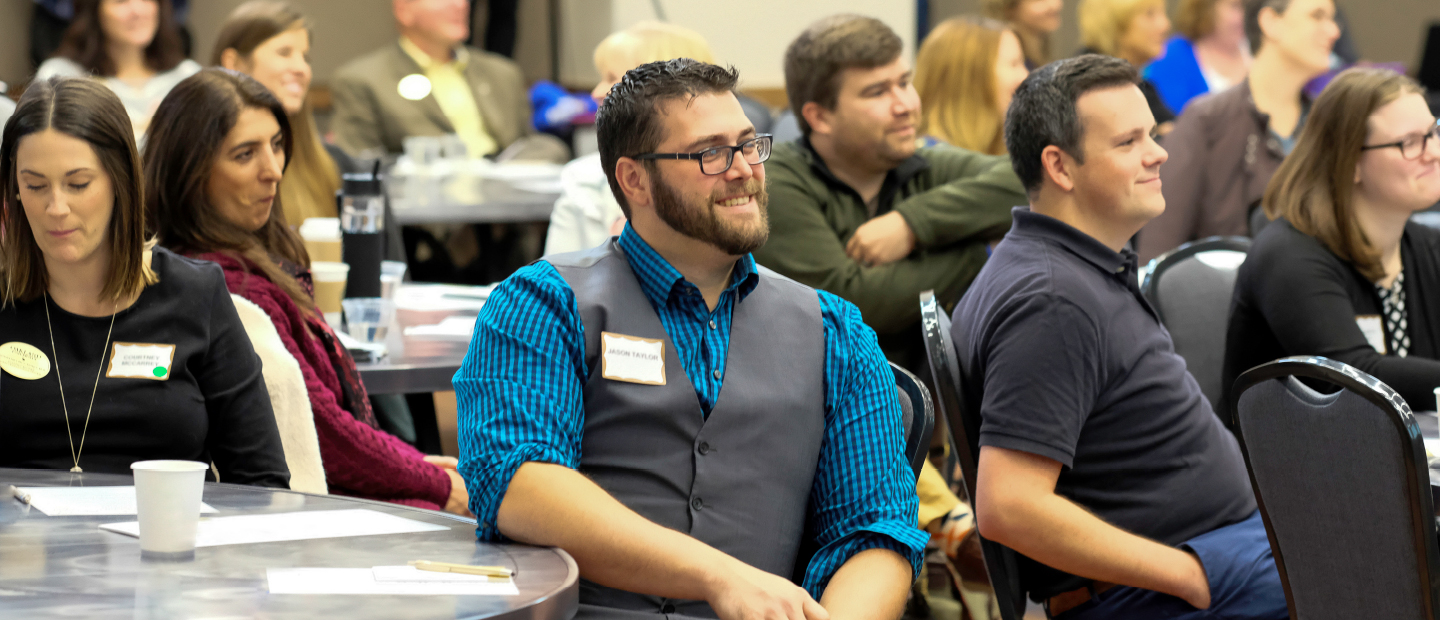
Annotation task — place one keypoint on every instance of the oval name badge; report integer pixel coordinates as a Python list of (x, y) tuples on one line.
[(24, 361)]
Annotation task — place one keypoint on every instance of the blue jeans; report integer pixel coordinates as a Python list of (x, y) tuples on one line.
[(1244, 584)]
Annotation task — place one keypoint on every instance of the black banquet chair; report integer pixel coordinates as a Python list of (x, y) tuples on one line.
[(1190, 287), (919, 416), (1000, 561), (1344, 489)]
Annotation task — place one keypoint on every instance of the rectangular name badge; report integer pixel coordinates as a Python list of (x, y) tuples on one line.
[(1374, 330), (632, 359), (140, 360)]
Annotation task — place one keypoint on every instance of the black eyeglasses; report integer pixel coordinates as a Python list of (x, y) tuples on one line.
[(1413, 146), (717, 159)]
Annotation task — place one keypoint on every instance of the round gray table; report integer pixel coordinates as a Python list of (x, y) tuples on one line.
[(67, 567)]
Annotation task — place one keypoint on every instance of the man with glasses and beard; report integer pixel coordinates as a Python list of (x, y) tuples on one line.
[(695, 430)]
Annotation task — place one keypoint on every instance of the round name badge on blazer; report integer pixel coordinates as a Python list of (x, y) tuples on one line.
[(414, 87), (24, 361)]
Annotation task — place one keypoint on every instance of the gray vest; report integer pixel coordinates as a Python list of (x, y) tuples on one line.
[(738, 480)]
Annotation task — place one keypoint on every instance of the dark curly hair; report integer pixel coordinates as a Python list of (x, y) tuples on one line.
[(629, 122)]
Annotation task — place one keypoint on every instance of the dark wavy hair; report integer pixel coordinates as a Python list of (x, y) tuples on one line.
[(181, 147), (90, 111), (84, 40)]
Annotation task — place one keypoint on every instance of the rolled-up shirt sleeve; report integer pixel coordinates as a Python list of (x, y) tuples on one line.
[(519, 388), (864, 492)]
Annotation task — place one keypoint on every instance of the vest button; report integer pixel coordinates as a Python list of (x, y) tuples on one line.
[(716, 373), (712, 323), (696, 504), (704, 448), (667, 608)]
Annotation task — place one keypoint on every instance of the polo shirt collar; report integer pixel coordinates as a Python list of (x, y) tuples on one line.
[(426, 62), (1030, 223), (660, 281), (894, 180)]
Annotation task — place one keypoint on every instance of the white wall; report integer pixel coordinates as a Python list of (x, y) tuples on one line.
[(750, 34)]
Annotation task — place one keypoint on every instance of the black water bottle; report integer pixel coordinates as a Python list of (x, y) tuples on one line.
[(361, 203)]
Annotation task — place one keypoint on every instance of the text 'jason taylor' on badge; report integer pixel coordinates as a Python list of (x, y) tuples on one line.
[(632, 359)]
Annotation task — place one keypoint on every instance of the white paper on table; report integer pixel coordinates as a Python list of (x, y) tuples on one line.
[(449, 327), (410, 573), (251, 529), (362, 581), (1432, 446), (438, 297), (87, 501)]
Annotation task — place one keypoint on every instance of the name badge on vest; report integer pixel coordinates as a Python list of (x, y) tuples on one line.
[(632, 359), (1374, 330), (140, 360)]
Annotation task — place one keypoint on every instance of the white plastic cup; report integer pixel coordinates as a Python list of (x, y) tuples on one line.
[(392, 273), (1437, 399), (167, 498)]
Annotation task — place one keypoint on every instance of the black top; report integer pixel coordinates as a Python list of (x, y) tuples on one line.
[(1293, 296), (213, 405), (1063, 358)]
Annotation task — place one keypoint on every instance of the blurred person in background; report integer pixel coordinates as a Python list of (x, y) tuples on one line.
[(1226, 145), (1210, 55), (1133, 31), (587, 213), (966, 71), (134, 46), (270, 41), (429, 83), (1034, 21)]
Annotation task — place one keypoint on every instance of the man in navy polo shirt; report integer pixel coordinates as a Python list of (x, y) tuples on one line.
[(1100, 460)]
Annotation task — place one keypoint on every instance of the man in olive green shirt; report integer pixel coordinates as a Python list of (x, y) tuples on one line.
[(856, 208)]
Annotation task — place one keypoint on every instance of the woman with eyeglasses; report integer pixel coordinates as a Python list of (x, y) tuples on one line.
[(1343, 272)]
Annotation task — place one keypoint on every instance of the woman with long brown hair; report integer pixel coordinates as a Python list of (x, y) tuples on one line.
[(270, 41), (214, 160), (134, 46), (966, 72), (1342, 271), (157, 362)]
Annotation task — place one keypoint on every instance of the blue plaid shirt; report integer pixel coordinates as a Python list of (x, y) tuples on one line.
[(520, 393)]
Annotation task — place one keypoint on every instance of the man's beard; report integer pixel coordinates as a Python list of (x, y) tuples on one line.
[(702, 223)]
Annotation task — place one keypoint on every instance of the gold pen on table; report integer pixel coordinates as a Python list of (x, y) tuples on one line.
[(20, 495), (464, 569)]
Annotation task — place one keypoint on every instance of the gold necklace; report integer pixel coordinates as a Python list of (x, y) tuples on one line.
[(75, 454)]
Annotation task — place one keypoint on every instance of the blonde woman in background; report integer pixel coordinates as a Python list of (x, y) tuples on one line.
[(586, 213), (966, 72), (1133, 31), (1034, 21), (270, 41)]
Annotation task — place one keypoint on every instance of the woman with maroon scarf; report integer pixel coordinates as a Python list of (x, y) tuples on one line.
[(213, 161)]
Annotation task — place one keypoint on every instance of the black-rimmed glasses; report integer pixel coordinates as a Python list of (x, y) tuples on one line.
[(1413, 146), (717, 159)]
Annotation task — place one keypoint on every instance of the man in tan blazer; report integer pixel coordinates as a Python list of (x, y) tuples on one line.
[(429, 83)]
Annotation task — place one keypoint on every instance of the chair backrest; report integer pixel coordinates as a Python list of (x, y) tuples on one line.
[(1000, 561), (785, 128), (1190, 288), (919, 415), (1343, 488)]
